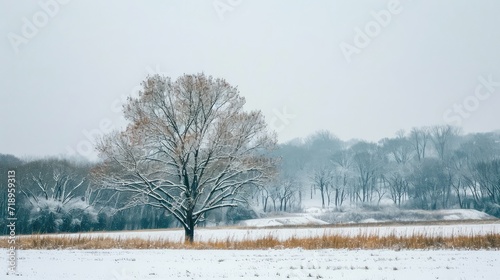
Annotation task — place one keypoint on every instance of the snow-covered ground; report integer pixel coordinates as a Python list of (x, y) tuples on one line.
[(394, 214), (314, 216), (283, 221), (270, 264), (205, 234), (258, 264)]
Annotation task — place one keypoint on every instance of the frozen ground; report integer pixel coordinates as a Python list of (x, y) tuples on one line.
[(394, 214), (283, 221), (205, 234), (266, 264), (258, 264), (317, 216)]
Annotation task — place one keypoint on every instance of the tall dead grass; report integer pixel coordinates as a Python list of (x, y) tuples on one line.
[(362, 241)]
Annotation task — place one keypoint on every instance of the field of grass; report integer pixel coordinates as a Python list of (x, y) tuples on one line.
[(362, 241)]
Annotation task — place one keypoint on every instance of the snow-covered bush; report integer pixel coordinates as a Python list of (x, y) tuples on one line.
[(50, 215)]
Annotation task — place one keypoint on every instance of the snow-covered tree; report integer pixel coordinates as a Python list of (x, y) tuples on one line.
[(51, 215), (189, 148), (54, 193)]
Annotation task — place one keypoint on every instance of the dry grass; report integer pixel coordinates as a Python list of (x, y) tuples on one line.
[(363, 241)]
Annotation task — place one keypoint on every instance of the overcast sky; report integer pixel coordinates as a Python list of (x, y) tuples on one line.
[(361, 69)]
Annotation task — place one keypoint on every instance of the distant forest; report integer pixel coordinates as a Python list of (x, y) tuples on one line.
[(428, 168)]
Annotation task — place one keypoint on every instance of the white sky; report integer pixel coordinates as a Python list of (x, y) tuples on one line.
[(283, 55)]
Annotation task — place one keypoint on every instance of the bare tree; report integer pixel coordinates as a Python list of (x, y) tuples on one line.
[(189, 148), (419, 137), (441, 137), (344, 176), (480, 149), (397, 179), (283, 193), (460, 176), (367, 163), (399, 153), (55, 195), (398, 149), (53, 179), (322, 179), (488, 176), (429, 183), (265, 195)]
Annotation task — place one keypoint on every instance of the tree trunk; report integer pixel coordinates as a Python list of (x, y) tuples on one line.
[(189, 230), (188, 235), (336, 198), (322, 197), (328, 198), (300, 199)]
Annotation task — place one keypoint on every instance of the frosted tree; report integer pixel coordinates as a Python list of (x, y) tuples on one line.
[(189, 148), (55, 193)]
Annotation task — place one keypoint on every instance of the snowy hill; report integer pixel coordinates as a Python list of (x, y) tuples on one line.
[(385, 211), (393, 214), (283, 221), (318, 216)]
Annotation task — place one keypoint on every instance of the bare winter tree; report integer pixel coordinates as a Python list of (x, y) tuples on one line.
[(282, 192), (189, 148), (398, 149), (54, 193), (52, 179), (399, 152), (419, 138), (344, 174), (322, 179), (367, 164), (441, 136)]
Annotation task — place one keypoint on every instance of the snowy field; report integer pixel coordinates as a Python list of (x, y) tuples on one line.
[(265, 264), (206, 234), (258, 264)]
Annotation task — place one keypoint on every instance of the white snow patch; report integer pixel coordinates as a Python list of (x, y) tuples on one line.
[(464, 214), (283, 221), (370, 221)]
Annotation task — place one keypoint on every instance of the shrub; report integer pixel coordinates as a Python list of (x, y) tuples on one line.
[(49, 216)]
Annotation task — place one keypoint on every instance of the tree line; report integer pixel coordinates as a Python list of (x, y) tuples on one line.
[(428, 168)]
